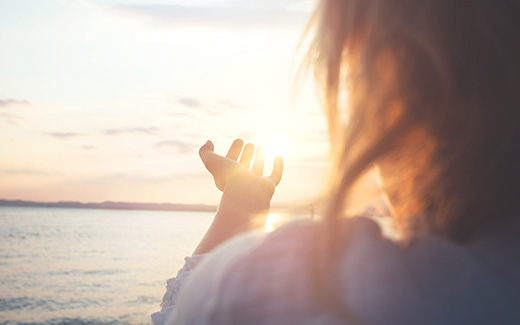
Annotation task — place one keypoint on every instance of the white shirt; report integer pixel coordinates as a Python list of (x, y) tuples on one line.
[(265, 279)]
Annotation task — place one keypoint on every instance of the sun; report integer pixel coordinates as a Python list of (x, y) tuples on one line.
[(275, 145)]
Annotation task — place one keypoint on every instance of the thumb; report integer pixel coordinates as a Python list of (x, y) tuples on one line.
[(206, 150)]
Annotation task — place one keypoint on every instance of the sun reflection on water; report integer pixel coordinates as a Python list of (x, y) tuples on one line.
[(274, 220)]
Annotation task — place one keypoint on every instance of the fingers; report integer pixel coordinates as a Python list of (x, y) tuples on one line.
[(206, 150), (220, 166), (235, 149), (258, 165), (216, 164), (276, 175), (247, 155)]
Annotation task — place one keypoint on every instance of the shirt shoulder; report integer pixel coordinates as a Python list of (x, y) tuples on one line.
[(264, 278)]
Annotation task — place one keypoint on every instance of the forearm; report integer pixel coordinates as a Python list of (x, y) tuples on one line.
[(233, 218)]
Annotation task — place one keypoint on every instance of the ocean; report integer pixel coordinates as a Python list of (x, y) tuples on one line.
[(84, 266)]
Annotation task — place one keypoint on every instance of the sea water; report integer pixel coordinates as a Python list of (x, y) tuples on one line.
[(83, 266), (94, 266)]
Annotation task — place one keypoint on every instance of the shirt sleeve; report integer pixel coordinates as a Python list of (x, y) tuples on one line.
[(202, 291), (173, 287)]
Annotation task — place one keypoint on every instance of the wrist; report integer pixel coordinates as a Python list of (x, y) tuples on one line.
[(241, 216)]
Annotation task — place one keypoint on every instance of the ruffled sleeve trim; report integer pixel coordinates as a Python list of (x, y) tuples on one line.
[(173, 286)]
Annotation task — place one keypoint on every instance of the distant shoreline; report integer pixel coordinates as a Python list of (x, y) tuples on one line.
[(109, 205)]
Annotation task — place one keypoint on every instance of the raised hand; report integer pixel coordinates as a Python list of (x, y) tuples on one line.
[(246, 193), (228, 167)]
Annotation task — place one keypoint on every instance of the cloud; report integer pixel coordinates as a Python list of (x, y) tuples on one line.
[(10, 118), (214, 108), (228, 103), (190, 102), (27, 171), (244, 17), (144, 178), (64, 135), (8, 102), (86, 147), (181, 146), (139, 130), (195, 104)]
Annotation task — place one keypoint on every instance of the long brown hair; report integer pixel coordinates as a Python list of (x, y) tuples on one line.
[(433, 90)]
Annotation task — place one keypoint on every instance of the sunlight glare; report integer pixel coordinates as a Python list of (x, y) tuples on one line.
[(273, 221), (275, 145)]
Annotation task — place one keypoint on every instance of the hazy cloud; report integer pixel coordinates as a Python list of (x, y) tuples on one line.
[(141, 130), (27, 171), (190, 102), (9, 101), (227, 17), (7, 117), (166, 178), (195, 104), (86, 147), (10, 118), (213, 108), (228, 103), (64, 135), (181, 146)]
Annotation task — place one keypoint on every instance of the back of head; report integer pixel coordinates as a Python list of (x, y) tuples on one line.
[(433, 92)]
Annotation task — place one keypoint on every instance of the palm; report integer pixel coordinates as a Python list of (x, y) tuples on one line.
[(230, 169)]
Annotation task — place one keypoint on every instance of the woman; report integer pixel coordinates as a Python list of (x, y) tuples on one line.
[(433, 103)]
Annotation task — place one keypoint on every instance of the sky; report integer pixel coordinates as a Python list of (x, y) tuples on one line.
[(110, 99)]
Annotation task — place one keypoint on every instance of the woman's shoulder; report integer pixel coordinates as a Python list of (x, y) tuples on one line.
[(267, 277)]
